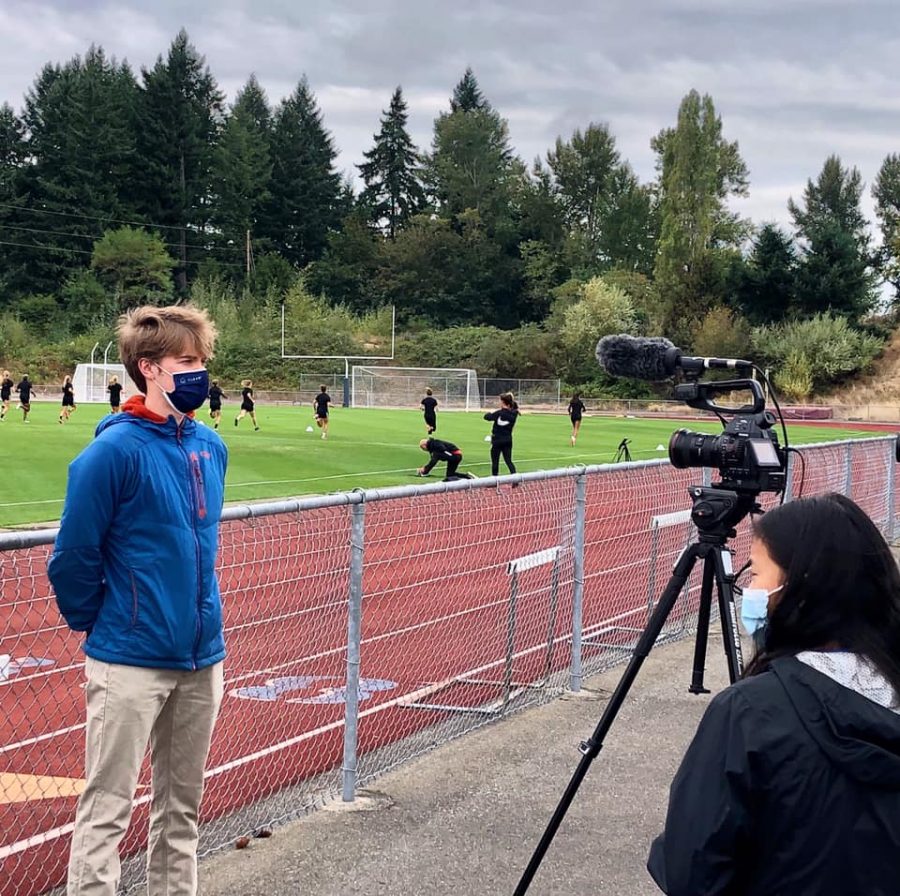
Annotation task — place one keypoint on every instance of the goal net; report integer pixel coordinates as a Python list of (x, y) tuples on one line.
[(90, 382), (403, 387)]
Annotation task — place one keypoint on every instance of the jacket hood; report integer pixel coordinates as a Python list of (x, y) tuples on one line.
[(135, 410), (855, 733)]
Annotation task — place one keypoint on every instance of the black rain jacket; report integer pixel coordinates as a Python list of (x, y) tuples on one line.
[(791, 787)]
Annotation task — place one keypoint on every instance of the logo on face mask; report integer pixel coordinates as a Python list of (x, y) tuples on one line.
[(191, 389), (755, 608)]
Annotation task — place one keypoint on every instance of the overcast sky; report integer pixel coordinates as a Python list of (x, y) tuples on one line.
[(794, 80)]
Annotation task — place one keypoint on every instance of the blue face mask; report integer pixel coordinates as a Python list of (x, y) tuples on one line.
[(191, 389), (755, 608)]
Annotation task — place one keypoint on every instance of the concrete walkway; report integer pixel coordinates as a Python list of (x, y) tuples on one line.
[(465, 819)]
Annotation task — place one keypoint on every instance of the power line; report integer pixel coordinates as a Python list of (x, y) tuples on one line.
[(88, 236), (47, 211)]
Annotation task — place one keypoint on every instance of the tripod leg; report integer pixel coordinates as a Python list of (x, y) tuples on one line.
[(731, 636), (703, 617), (591, 747)]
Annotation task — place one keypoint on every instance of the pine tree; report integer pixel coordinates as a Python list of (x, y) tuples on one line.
[(835, 270), (886, 191), (306, 192), (181, 110), (81, 124), (392, 194), (12, 160), (467, 95), (768, 280), (242, 167)]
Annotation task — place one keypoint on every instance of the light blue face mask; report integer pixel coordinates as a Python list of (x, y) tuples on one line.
[(755, 608)]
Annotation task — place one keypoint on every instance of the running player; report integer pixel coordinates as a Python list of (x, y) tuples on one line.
[(115, 394), (429, 406), (576, 409), (215, 403), (25, 388), (321, 403), (504, 419), (247, 404), (68, 400), (6, 385)]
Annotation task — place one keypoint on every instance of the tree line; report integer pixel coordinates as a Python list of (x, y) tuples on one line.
[(117, 186)]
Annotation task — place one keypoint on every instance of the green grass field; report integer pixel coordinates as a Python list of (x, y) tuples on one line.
[(365, 448)]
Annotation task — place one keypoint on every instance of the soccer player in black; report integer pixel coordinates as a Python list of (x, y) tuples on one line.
[(429, 405), (576, 409), (68, 400), (25, 388), (215, 403), (247, 404), (115, 394), (6, 385), (504, 419), (446, 452), (321, 402)]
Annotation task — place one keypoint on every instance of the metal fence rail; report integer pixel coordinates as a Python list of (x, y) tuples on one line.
[(366, 627)]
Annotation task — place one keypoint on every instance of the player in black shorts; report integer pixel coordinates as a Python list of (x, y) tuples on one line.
[(25, 388), (321, 402), (247, 404), (576, 409), (68, 400), (6, 385), (443, 451), (115, 394), (215, 403), (429, 406)]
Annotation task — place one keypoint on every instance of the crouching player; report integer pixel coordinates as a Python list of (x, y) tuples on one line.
[(445, 452)]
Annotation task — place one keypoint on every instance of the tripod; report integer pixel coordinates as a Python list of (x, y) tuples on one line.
[(623, 453), (715, 513)]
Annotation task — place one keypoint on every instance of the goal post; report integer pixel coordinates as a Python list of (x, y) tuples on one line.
[(90, 382), (403, 387)]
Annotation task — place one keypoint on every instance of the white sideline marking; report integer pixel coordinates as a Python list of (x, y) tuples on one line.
[(670, 519), (530, 561)]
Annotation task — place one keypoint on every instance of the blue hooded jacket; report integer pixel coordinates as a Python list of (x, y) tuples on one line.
[(134, 561)]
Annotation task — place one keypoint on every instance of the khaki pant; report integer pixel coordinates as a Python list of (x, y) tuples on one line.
[(127, 706)]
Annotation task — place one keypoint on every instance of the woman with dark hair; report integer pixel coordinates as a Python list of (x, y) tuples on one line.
[(504, 420), (792, 782), (576, 409), (68, 400)]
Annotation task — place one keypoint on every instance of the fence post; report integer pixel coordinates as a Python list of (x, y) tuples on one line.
[(891, 490), (848, 473), (575, 666), (354, 637)]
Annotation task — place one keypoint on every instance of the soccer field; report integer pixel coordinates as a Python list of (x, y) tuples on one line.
[(365, 449)]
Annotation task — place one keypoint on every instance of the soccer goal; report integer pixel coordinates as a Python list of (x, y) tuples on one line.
[(90, 382), (403, 387)]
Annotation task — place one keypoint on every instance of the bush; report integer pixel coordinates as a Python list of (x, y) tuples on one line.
[(833, 350)]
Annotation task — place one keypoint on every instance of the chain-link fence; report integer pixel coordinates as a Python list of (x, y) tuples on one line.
[(365, 628)]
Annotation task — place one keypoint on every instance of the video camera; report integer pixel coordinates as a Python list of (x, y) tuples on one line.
[(747, 454)]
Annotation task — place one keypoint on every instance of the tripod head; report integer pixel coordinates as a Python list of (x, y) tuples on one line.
[(716, 510)]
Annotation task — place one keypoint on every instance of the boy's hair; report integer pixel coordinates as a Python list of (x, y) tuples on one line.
[(428, 391), (323, 388), (113, 379), (156, 333)]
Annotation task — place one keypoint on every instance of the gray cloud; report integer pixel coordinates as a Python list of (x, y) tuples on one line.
[(794, 80)]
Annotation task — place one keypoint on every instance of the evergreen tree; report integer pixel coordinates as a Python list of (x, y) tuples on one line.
[(834, 269), (768, 280), (181, 110), (12, 160), (467, 95), (307, 197), (886, 191), (392, 193), (698, 171), (242, 167), (81, 126)]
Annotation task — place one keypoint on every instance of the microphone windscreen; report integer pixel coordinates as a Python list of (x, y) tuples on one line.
[(635, 356)]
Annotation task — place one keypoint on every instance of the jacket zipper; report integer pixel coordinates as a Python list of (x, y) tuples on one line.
[(194, 511)]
